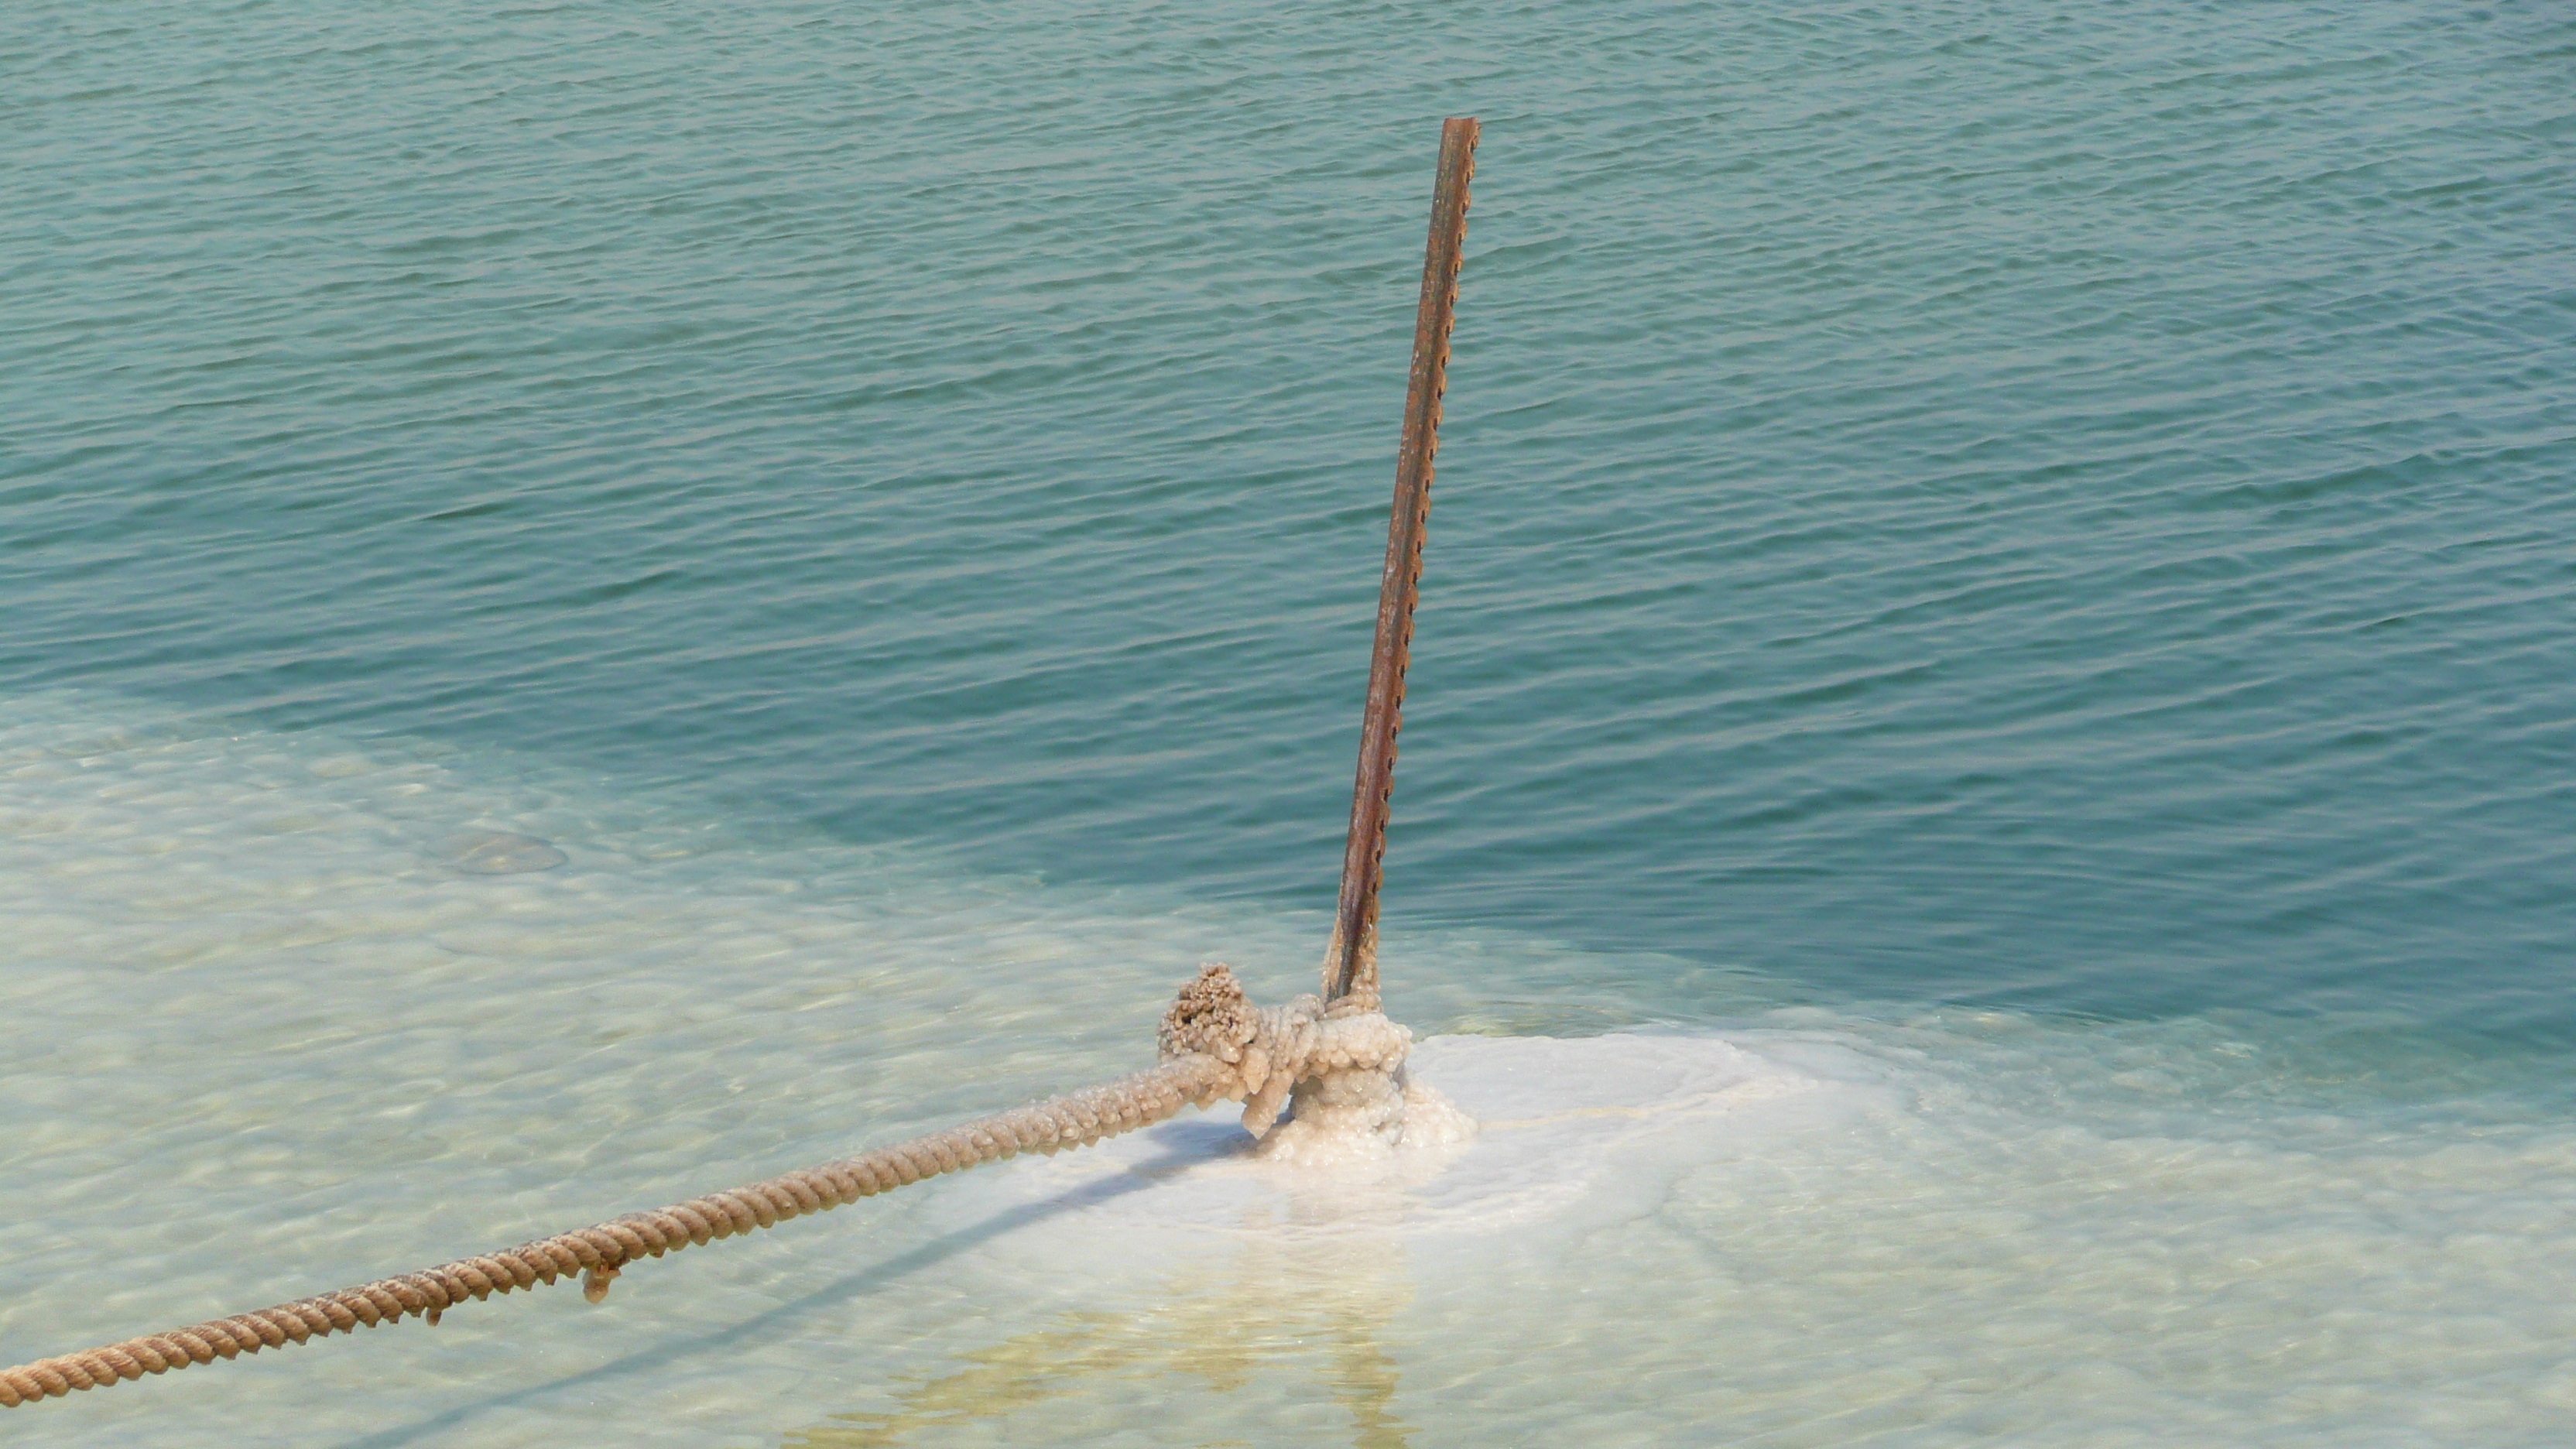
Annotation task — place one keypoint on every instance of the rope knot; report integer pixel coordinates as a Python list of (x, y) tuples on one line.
[(1275, 1049)]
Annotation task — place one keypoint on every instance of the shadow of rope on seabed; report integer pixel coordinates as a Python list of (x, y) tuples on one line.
[(760, 1325)]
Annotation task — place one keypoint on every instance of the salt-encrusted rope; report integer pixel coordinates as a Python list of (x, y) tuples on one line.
[(1215, 1044)]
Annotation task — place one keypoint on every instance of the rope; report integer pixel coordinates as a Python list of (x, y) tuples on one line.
[(1215, 1044)]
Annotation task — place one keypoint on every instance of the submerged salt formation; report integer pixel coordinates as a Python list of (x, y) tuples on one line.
[(1339, 1071)]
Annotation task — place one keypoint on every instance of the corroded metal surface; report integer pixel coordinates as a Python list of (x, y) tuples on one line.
[(1350, 961)]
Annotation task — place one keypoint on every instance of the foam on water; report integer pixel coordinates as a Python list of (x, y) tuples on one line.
[(271, 1033)]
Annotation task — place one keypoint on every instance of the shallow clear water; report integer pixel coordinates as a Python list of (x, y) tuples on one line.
[(1993, 687)]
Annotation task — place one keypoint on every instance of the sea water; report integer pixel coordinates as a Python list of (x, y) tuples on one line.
[(598, 602)]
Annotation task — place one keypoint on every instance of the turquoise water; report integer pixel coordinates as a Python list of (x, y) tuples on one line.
[(2024, 549)]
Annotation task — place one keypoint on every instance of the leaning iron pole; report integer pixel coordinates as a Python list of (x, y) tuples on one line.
[(1350, 961)]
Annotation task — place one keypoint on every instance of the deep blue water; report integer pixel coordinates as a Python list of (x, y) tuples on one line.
[(1939, 503)]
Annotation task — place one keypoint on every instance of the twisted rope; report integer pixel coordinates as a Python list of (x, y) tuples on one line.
[(1215, 1044)]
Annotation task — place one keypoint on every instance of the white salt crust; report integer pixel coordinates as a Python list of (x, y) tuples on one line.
[(270, 1033)]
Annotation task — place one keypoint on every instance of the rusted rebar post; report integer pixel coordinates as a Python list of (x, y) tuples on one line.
[(1350, 961)]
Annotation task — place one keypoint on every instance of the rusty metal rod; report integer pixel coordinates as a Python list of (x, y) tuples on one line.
[(1350, 961)]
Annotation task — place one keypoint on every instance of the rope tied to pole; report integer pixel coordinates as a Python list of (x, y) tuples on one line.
[(1333, 1058)]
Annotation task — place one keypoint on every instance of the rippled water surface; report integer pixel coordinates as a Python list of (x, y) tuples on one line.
[(597, 601)]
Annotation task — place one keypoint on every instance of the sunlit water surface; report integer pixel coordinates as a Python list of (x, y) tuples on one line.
[(601, 601)]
